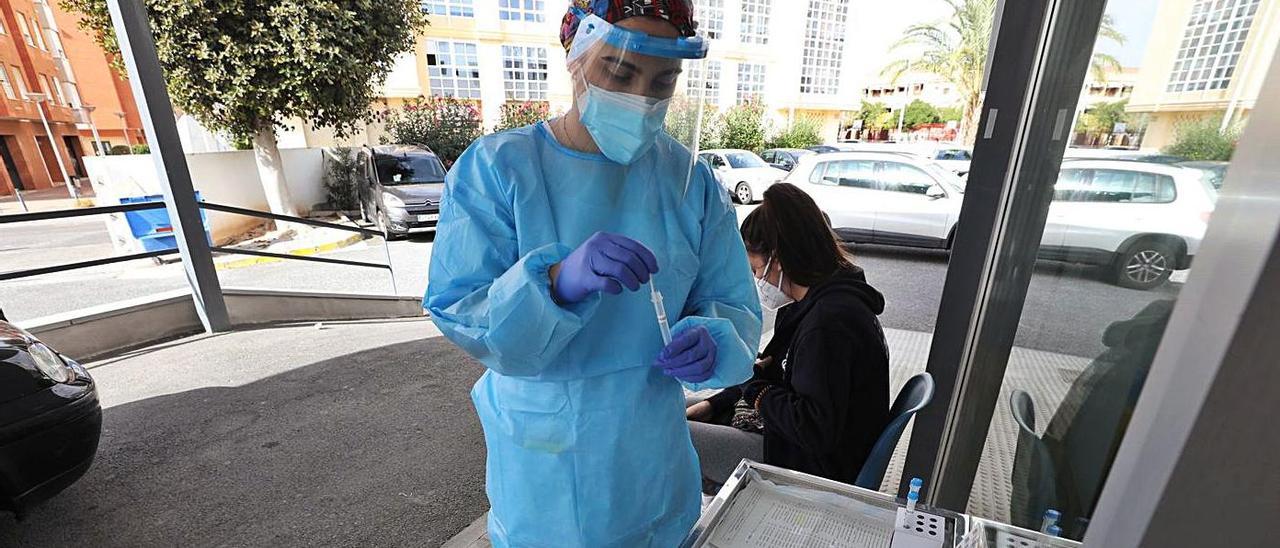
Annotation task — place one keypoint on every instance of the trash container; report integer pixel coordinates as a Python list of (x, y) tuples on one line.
[(151, 227)]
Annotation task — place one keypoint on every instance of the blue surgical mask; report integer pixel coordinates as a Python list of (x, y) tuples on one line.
[(624, 126)]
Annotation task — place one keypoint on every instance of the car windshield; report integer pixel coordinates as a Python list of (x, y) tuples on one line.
[(1214, 175), (953, 154), (744, 160), (409, 169), (949, 178)]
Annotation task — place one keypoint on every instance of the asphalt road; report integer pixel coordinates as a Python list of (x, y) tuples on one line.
[(1068, 307)]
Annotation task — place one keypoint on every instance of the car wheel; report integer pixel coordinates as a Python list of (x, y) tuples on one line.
[(384, 224), (743, 193), (1145, 265)]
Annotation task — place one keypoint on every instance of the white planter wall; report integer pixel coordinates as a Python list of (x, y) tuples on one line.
[(229, 178)]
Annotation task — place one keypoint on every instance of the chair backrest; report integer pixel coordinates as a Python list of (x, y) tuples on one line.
[(913, 397), (1034, 487)]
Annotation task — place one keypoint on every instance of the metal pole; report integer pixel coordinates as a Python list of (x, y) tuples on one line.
[(386, 248), (124, 127), (62, 167), (133, 31), (18, 193), (88, 114)]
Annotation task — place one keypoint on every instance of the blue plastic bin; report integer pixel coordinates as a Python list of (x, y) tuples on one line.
[(151, 227)]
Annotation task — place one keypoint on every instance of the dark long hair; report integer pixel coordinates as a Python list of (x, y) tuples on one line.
[(791, 229)]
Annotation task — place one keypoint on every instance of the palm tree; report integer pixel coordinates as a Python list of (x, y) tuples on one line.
[(956, 51)]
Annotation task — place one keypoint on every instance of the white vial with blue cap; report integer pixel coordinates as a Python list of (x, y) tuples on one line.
[(913, 495), (1050, 522)]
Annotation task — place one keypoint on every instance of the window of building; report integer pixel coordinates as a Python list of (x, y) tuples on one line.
[(824, 46), (710, 18), (1211, 44), (22, 84), (750, 82), (74, 92), (39, 35), (2, 29), (450, 8), (6, 84), (524, 72), (453, 69), (704, 81), (755, 21), (48, 88), (529, 11), (25, 29), (59, 92)]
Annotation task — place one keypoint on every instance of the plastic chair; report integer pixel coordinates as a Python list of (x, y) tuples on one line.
[(913, 397), (1034, 487)]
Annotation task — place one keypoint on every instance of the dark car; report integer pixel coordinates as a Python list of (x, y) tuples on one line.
[(50, 420), (824, 149), (404, 188), (784, 158)]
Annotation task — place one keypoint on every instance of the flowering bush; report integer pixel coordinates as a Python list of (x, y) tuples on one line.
[(517, 114), (446, 125)]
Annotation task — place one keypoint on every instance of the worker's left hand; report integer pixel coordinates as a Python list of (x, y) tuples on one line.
[(691, 356)]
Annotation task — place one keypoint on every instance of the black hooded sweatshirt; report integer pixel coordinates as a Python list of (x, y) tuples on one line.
[(827, 405)]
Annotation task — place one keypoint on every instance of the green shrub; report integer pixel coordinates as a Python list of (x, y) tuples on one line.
[(121, 150), (1204, 140), (743, 127), (804, 132), (141, 149), (341, 176)]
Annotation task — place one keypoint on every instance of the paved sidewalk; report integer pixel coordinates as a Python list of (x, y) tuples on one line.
[(45, 199)]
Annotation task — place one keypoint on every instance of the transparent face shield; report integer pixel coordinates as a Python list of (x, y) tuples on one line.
[(634, 91)]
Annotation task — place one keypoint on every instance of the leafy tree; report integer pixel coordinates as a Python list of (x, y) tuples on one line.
[(446, 125), (1204, 140), (956, 50), (804, 132), (1103, 117), (743, 126), (518, 114), (919, 113), (246, 66), (875, 116), (950, 114)]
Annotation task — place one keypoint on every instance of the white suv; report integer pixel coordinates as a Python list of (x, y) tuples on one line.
[(742, 173), (1141, 220)]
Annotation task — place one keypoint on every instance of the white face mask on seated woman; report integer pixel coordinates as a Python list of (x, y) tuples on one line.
[(771, 296)]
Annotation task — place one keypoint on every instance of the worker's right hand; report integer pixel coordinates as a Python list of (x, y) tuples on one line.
[(605, 262)]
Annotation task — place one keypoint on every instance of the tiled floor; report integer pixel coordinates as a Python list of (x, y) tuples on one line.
[(1045, 375)]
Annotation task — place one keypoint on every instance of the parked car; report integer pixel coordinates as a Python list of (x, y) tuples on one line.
[(50, 420), (1140, 220), (403, 189), (823, 149), (784, 158), (954, 158), (1214, 172), (744, 174)]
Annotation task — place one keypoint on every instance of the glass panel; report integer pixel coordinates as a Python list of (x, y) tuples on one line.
[(1131, 207)]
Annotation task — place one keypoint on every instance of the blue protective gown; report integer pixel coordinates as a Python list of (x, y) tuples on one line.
[(587, 443)]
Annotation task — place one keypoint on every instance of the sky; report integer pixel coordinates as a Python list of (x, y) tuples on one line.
[(1133, 18)]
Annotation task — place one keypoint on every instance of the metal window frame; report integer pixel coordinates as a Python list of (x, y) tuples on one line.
[(1040, 55)]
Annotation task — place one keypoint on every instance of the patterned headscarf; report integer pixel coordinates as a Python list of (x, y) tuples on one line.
[(676, 12)]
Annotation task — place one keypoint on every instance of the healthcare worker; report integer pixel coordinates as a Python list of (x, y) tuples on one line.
[(549, 236)]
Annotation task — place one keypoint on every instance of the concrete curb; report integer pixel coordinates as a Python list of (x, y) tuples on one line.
[(302, 252)]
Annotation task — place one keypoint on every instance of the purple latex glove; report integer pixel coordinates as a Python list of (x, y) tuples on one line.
[(691, 356), (605, 262)]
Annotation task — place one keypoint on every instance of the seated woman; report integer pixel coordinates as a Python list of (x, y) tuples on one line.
[(820, 394)]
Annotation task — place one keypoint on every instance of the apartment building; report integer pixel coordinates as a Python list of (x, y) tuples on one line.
[(792, 58), (1209, 63), (31, 90)]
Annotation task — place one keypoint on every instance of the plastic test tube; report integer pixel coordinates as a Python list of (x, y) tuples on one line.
[(913, 496), (661, 312)]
